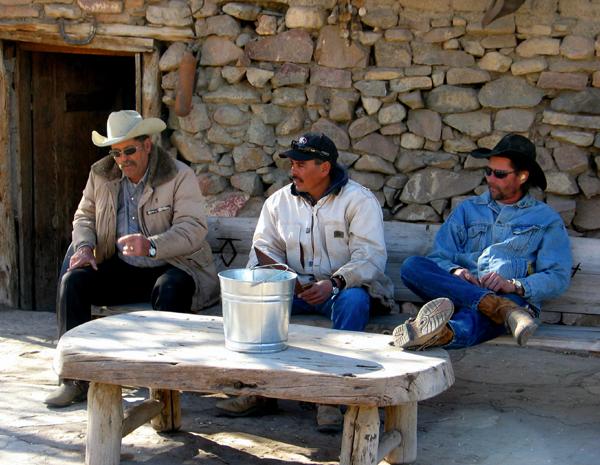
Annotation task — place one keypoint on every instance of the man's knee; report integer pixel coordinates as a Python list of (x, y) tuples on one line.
[(412, 264), (354, 301), (173, 291), (75, 280)]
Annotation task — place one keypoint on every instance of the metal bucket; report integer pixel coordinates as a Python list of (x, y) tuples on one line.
[(257, 303)]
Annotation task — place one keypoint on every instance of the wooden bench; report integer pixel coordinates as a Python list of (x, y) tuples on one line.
[(231, 238), (187, 352)]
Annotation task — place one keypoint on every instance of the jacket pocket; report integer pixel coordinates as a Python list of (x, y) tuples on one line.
[(201, 257), (336, 243), (476, 237), (524, 238)]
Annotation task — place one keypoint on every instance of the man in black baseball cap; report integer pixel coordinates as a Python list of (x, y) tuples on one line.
[(329, 230), (494, 261)]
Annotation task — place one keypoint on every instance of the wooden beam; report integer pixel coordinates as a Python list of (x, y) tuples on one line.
[(169, 418), (24, 169), (360, 438), (402, 418), (388, 442), (167, 34), (105, 419), (113, 44), (151, 88), (139, 415), (138, 83), (8, 245)]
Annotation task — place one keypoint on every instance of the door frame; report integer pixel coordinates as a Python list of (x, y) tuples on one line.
[(16, 151)]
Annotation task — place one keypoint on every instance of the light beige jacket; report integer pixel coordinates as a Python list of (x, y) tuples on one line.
[(341, 234), (171, 215)]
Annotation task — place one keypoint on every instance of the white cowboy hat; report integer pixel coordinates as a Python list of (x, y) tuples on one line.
[(126, 124)]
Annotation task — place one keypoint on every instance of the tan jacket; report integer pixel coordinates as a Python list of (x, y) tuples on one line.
[(341, 234), (171, 215)]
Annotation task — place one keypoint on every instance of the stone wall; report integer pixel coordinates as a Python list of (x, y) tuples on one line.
[(405, 88)]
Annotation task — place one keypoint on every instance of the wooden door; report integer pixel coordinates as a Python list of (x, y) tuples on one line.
[(71, 95)]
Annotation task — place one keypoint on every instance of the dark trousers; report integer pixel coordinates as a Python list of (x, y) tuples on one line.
[(116, 282)]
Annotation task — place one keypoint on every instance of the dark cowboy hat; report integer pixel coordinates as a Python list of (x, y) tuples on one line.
[(519, 149), (312, 145)]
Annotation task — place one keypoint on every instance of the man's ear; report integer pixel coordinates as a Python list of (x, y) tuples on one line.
[(523, 176), (326, 167)]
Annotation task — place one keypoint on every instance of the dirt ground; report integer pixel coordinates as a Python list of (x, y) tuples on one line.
[(509, 406)]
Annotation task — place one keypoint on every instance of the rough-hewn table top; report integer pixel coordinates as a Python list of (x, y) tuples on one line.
[(187, 352)]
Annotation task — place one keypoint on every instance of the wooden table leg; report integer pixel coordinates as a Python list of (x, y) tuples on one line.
[(404, 419), (105, 420), (170, 416), (360, 438)]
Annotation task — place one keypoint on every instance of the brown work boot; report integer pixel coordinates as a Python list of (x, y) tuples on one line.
[(329, 419), (422, 331), (246, 406), (519, 320), (70, 391)]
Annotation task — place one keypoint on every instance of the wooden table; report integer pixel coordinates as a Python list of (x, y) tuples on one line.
[(172, 352)]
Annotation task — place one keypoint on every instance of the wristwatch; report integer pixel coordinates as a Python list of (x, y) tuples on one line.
[(519, 289), (335, 290), (341, 279), (152, 251)]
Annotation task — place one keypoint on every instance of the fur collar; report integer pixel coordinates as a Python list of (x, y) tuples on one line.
[(161, 168)]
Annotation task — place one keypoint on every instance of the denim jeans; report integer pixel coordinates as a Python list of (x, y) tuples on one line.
[(349, 310), (426, 279)]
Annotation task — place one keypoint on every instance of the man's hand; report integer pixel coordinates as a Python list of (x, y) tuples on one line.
[(84, 256), (135, 245), (494, 282), (318, 293), (466, 275)]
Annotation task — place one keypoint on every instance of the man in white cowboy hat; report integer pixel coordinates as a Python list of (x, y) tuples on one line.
[(138, 235), (494, 260)]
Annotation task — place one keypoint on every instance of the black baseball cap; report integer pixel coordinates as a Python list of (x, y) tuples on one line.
[(312, 146)]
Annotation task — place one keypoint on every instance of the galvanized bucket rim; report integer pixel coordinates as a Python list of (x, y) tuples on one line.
[(288, 273)]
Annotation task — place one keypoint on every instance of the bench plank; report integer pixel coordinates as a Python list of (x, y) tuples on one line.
[(561, 337)]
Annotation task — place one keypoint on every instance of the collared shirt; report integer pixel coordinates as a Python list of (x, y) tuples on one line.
[(526, 240), (127, 218)]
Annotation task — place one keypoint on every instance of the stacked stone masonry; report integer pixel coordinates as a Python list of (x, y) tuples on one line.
[(405, 88)]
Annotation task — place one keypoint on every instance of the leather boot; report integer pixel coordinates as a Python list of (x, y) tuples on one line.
[(69, 391), (423, 330), (329, 419), (444, 337), (519, 320), (246, 406)]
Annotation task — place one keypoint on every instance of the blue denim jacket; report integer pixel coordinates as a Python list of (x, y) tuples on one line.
[(527, 241)]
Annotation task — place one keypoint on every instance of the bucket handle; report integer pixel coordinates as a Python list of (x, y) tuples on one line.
[(278, 266)]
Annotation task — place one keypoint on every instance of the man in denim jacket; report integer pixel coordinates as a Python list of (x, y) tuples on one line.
[(494, 260)]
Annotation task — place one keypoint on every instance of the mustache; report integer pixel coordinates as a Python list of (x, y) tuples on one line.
[(126, 164)]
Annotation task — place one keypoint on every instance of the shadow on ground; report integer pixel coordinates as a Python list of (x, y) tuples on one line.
[(509, 406)]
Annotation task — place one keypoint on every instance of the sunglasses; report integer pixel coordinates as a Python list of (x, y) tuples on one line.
[(127, 151), (499, 174), (305, 149)]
